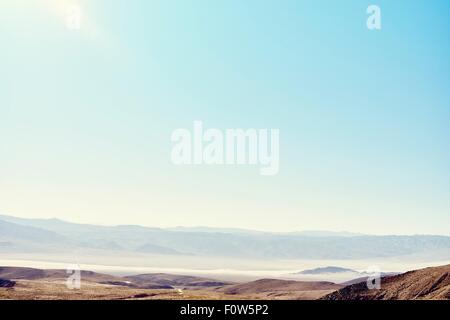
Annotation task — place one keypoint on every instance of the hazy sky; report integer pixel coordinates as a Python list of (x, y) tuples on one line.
[(86, 115)]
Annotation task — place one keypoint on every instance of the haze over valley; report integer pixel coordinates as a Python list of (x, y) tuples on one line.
[(229, 254)]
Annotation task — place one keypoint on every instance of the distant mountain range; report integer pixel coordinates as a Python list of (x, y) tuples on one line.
[(326, 270), (19, 235)]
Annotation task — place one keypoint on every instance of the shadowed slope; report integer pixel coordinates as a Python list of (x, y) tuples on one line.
[(428, 283)]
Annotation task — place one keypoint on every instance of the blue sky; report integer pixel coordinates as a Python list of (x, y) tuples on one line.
[(86, 115)]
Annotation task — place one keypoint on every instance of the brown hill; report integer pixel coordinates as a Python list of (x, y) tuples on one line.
[(175, 280), (142, 281), (20, 273), (282, 289), (428, 284)]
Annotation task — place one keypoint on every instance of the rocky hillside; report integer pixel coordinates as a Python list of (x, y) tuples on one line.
[(428, 284)]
